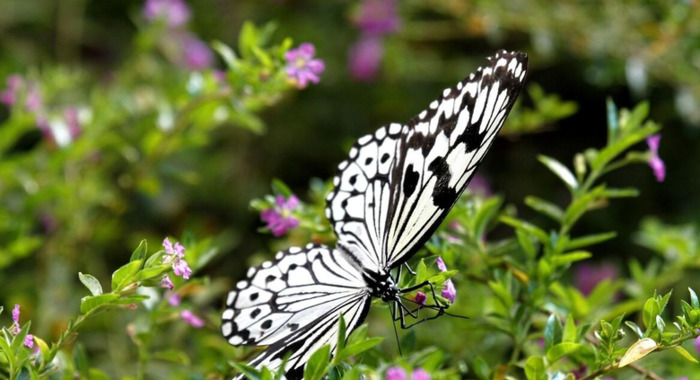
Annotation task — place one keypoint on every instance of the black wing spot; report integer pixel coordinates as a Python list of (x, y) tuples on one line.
[(293, 326), (267, 324), (254, 296), (384, 158), (244, 334), (353, 179), (410, 181), (292, 266), (368, 160), (255, 313), (270, 278), (344, 203), (370, 205), (443, 195)]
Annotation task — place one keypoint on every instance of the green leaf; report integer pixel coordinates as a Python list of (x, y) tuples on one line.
[(561, 350), (694, 299), (358, 348), (441, 277), (560, 171), (140, 251), (485, 214), (623, 143), (502, 294), (629, 192), (650, 311), (125, 275), (526, 227), (526, 243), (421, 272), (18, 340), (247, 39), (265, 374), (226, 53), (535, 368), (635, 328), (545, 207), (317, 366), (481, 368), (587, 240), (342, 328), (685, 354), (552, 332), (581, 204), (151, 273), (91, 283), (635, 118), (570, 332), (91, 302), (246, 370), (638, 350), (613, 126), (279, 187), (570, 257), (353, 374)]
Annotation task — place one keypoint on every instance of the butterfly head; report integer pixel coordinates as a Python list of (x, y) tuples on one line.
[(382, 286)]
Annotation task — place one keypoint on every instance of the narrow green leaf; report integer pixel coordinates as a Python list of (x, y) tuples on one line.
[(535, 231), (140, 251), (265, 374), (91, 283), (359, 347), (552, 332), (481, 368), (485, 214), (226, 53), (685, 354), (587, 240), (353, 374), (151, 273), (526, 243), (613, 126), (125, 275), (279, 187), (560, 171), (571, 257), (561, 350), (635, 117), (317, 366), (421, 272), (249, 372), (650, 311), (91, 302), (545, 207), (629, 192), (342, 328), (635, 328)]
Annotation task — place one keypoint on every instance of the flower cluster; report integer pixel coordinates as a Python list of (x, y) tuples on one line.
[(16, 328), (375, 19), (175, 255), (194, 54), (302, 67), (61, 128), (449, 292), (398, 373), (279, 218)]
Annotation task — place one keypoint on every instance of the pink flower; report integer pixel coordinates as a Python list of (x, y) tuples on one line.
[(655, 162), (441, 264), (377, 17), (191, 318), (395, 373), (196, 54), (165, 282), (176, 255), (420, 298), (450, 292), (587, 276), (16, 328), (279, 219), (9, 96), (696, 342), (174, 12), (420, 374), (365, 58), (174, 299), (302, 67)]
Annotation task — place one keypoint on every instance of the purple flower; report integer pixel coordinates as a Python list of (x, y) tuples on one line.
[(174, 299), (420, 298), (279, 219), (9, 95), (176, 255), (420, 374), (441, 264), (696, 342), (302, 67), (33, 101), (587, 276), (655, 162), (365, 58), (377, 17), (196, 54), (174, 12), (450, 292), (16, 329), (480, 185), (395, 373), (165, 282), (191, 318)]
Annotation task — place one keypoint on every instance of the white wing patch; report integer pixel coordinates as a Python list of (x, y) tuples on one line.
[(282, 297)]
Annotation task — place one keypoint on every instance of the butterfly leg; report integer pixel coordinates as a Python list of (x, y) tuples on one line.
[(432, 290)]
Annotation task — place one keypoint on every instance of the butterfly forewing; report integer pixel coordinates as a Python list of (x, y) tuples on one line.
[(284, 302)]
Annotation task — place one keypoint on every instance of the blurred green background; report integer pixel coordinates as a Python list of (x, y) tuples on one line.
[(84, 207)]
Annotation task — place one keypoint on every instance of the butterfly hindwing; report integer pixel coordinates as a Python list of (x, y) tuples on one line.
[(282, 303)]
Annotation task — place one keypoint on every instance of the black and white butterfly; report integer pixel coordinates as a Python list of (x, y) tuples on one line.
[(388, 198)]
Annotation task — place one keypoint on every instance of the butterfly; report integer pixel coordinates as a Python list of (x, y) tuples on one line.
[(388, 198)]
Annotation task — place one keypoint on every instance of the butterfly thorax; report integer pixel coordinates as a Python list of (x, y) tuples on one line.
[(381, 286)]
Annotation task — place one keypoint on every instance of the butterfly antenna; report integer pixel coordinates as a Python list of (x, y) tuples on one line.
[(396, 332)]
